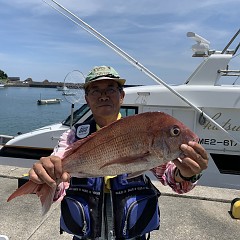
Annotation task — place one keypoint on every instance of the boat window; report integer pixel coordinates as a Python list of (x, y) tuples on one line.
[(77, 115), (128, 110)]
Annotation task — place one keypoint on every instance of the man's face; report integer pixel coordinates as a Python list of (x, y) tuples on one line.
[(104, 98)]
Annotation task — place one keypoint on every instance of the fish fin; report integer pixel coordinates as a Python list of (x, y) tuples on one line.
[(76, 145), (79, 143), (127, 160), (46, 195), (43, 191)]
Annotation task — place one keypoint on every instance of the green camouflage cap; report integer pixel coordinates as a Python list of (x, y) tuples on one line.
[(103, 73)]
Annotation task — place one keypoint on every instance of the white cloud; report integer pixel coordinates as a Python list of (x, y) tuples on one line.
[(152, 31)]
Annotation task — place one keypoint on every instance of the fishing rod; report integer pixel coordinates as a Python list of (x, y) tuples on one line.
[(78, 21)]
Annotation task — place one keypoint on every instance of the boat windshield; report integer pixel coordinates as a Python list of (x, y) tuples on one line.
[(77, 115), (84, 113)]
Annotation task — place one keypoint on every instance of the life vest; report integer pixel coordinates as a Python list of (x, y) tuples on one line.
[(134, 202)]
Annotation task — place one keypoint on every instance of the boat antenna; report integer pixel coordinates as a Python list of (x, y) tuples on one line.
[(78, 21)]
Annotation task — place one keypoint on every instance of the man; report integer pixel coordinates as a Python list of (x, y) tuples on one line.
[(103, 202)]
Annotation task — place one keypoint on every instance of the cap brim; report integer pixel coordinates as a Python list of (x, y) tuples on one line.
[(121, 81)]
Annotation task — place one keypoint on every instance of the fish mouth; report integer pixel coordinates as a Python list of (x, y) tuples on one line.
[(181, 156), (193, 139), (196, 139)]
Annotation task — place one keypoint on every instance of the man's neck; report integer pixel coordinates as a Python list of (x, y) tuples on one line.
[(104, 121)]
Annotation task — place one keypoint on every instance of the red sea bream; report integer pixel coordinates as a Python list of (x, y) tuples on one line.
[(130, 145)]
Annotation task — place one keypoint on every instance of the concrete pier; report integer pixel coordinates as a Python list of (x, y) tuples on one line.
[(202, 214)]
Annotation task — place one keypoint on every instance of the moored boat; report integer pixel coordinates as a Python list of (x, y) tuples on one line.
[(62, 88), (68, 93), (48, 101)]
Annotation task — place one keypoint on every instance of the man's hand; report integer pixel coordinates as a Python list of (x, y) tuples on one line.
[(194, 162), (48, 170)]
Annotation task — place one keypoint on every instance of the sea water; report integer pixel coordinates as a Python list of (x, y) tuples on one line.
[(20, 113)]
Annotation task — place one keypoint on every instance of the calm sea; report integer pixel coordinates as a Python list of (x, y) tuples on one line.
[(19, 111)]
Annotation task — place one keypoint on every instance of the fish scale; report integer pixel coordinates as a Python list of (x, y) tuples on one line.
[(101, 156)]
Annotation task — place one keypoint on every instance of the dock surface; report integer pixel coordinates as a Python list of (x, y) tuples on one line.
[(201, 214)]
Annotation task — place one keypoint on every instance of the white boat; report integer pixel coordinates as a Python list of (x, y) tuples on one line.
[(48, 101), (2, 85), (68, 93), (202, 88), (63, 88)]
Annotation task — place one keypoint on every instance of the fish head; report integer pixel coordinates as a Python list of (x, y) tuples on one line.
[(169, 135)]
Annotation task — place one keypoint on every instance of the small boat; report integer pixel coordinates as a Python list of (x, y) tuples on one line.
[(68, 93), (48, 101), (2, 85), (62, 88)]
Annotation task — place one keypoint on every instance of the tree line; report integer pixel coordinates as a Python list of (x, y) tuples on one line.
[(3, 75)]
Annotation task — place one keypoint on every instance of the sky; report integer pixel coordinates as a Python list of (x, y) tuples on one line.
[(39, 43)]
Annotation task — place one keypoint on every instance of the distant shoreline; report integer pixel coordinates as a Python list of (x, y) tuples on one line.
[(36, 84), (49, 85)]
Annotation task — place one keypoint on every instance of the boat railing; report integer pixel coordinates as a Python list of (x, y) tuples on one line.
[(232, 73)]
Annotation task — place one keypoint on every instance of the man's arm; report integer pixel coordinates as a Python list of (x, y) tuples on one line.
[(49, 169), (166, 175)]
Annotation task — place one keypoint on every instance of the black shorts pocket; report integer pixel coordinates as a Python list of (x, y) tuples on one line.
[(75, 216)]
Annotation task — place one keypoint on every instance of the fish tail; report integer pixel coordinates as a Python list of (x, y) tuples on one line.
[(28, 188), (46, 195), (43, 191)]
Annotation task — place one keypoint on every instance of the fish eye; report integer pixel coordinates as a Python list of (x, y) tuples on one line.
[(175, 131)]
